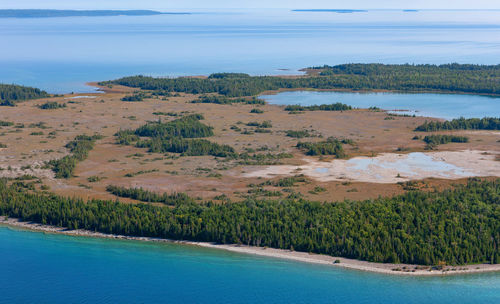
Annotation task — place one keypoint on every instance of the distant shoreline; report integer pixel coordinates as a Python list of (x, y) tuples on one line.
[(340, 11), (320, 259), (53, 13)]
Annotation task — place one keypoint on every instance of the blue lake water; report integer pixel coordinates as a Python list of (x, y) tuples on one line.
[(61, 54), (46, 268), (446, 106)]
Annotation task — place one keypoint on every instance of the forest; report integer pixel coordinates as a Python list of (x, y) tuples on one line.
[(487, 123), (10, 94), (457, 226), (453, 78)]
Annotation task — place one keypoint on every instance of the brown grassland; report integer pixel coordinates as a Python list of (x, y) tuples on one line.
[(46, 132)]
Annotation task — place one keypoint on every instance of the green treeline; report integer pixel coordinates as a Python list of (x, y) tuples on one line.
[(181, 135), (332, 146), (487, 123), (298, 134), (456, 78), (265, 124), (228, 75), (51, 105), (186, 147), (4, 123), (79, 149), (135, 97), (224, 100), (439, 139), (467, 78), (148, 196), (10, 94), (326, 107), (458, 226)]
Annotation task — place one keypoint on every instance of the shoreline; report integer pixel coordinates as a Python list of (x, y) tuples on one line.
[(304, 257), (105, 89)]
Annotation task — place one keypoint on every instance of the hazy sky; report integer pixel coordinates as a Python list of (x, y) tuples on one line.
[(176, 4)]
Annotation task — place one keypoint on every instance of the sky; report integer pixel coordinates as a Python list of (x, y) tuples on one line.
[(187, 4)]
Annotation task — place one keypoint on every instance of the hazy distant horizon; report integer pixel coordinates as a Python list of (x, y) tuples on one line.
[(245, 4)]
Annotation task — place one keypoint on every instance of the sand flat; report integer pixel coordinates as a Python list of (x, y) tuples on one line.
[(393, 167)]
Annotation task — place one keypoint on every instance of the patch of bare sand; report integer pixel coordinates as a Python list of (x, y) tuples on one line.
[(392, 167)]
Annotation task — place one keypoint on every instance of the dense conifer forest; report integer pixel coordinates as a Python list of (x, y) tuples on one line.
[(11, 94), (487, 123), (459, 226), (455, 78)]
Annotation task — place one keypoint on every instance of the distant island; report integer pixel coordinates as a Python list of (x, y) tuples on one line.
[(52, 13), (340, 11)]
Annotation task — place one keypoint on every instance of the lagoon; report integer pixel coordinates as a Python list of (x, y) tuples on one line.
[(447, 106)]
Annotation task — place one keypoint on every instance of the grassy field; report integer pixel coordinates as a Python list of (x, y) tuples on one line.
[(37, 136)]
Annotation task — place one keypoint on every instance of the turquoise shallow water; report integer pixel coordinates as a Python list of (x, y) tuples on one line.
[(47, 268), (446, 106)]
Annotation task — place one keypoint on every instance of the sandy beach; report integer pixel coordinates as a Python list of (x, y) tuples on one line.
[(392, 269)]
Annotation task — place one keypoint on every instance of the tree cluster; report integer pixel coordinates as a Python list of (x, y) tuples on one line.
[(79, 149), (181, 135), (149, 196), (440, 139), (225, 100), (332, 146), (325, 107)]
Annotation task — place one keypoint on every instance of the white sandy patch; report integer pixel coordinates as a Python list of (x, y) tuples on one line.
[(392, 167), (81, 96)]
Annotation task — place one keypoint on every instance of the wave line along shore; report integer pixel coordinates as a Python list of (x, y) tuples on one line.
[(393, 269)]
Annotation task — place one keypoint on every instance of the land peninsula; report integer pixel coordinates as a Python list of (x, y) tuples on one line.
[(53, 13), (179, 153)]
